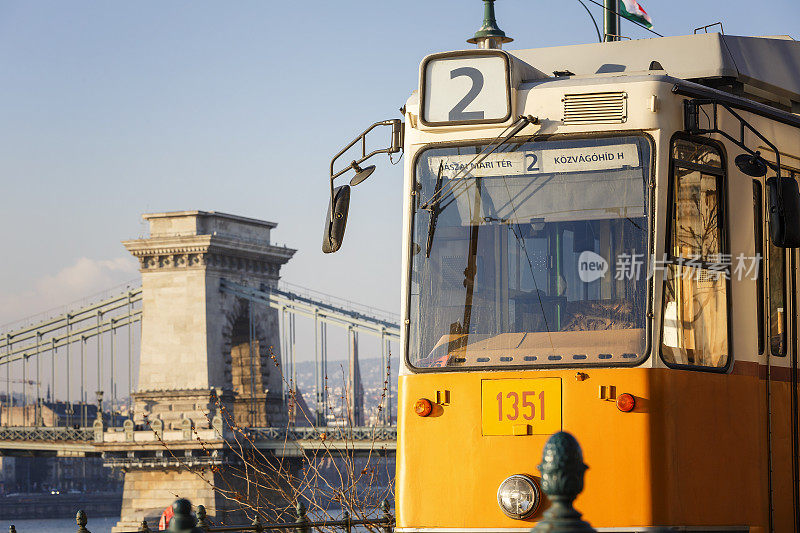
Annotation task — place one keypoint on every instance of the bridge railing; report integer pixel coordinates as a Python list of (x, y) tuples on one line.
[(34, 433)]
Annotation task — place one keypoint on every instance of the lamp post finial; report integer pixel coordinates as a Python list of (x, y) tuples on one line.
[(489, 35)]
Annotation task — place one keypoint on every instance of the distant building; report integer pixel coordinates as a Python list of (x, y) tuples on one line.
[(54, 414)]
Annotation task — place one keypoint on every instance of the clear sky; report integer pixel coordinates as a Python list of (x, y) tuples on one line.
[(113, 109)]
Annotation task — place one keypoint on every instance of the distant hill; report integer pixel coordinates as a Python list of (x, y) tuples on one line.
[(372, 378)]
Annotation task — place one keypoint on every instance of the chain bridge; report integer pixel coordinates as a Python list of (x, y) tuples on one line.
[(211, 334)]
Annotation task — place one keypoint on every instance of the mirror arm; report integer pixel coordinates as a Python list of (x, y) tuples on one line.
[(744, 123), (396, 146), (691, 125), (786, 217)]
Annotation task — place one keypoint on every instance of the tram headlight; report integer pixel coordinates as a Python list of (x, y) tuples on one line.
[(518, 496)]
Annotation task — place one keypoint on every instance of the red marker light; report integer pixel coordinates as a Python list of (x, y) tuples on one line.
[(423, 407), (626, 402)]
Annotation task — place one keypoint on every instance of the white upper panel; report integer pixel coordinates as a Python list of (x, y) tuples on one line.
[(771, 64)]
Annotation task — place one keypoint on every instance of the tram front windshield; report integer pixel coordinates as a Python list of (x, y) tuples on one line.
[(534, 255)]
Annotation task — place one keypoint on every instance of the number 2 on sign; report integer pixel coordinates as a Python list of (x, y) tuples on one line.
[(527, 405)]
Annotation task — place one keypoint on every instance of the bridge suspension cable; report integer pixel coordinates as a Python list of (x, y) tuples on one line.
[(61, 332), (324, 313)]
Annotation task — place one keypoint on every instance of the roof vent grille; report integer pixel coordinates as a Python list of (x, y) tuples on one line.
[(595, 108)]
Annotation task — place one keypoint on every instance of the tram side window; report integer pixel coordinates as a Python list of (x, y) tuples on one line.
[(776, 285), (758, 233), (695, 313)]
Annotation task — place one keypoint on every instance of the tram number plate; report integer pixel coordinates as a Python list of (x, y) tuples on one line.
[(468, 88), (521, 406)]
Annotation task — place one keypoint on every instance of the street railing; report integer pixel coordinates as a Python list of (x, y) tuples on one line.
[(184, 521), (562, 470)]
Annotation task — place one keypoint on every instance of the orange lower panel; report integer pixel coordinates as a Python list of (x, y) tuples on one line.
[(693, 451)]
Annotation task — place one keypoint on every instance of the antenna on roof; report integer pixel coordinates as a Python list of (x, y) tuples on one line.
[(611, 25), (489, 35)]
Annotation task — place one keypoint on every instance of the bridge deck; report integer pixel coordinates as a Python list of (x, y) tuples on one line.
[(282, 441)]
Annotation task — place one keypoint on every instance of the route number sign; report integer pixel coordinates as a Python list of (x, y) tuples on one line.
[(521, 406), (465, 89)]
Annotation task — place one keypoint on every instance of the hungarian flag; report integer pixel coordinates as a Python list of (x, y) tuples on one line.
[(631, 10)]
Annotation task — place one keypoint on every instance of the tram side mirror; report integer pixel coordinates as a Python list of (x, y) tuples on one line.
[(784, 211), (334, 225)]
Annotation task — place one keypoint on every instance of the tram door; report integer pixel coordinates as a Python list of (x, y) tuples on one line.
[(777, 334), (794, 410), (793, 418)]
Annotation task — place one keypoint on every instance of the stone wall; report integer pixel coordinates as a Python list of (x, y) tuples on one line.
[(147, 493)]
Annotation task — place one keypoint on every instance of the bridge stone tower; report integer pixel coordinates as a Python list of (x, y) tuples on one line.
[(198, 341), (195, 338)]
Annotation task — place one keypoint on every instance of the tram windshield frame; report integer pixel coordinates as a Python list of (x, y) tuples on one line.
[(537, 255)]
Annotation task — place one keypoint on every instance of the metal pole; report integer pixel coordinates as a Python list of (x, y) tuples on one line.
[(9, 403), (251, 342), (317, 395), (130, 358), (24, 388), (325, 370), (384, 370), (99, 349), (113, 343), (9, 394), (290, 369), (358, 396), (53, 371), (611, 20), (292, 339), (282, 355), (83, 392), (287, 356), (38, 406), (389, 384), (69, 398), (350, 392)]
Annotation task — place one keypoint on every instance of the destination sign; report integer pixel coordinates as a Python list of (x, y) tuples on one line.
[(590, 158), (504, 164), (550, 161)]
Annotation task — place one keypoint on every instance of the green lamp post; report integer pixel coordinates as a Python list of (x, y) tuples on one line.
[(489, 35)]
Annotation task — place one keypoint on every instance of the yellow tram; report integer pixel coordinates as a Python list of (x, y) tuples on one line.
[(600, 239)]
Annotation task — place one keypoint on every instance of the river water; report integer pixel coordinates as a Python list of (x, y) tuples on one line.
[(60, 525)]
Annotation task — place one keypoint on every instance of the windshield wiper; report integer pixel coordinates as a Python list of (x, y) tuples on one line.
[(438, 194), (629, 219), (434, 213), (462, 329)]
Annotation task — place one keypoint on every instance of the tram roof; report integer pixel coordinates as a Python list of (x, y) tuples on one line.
[(767, 68)]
